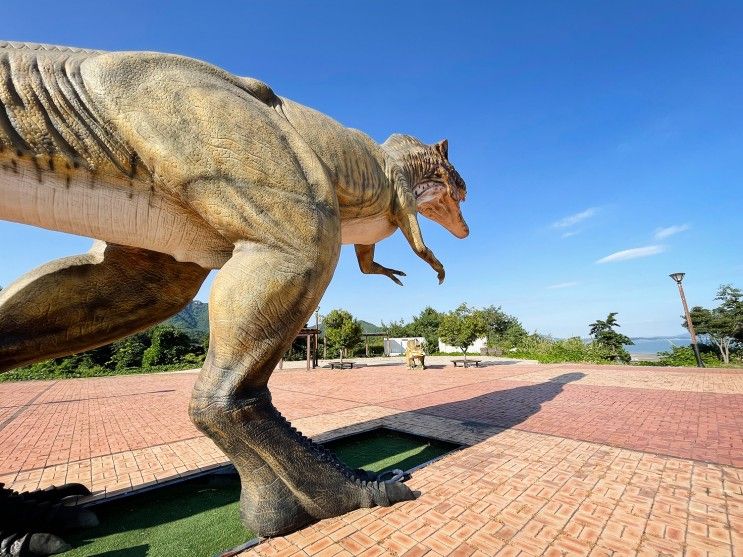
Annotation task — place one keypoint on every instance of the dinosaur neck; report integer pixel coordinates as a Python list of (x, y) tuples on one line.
[(410, 156), (415, 168)]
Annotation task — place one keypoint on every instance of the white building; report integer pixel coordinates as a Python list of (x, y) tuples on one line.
[(396, 346), (473, 348)]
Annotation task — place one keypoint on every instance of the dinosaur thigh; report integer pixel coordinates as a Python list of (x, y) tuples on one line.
[(76, 303)]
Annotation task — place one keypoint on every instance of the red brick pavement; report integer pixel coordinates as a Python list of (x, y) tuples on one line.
[(47, 423), (701, 426), (592, 459)]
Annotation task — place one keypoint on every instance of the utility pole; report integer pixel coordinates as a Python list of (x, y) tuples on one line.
[(678, 277)]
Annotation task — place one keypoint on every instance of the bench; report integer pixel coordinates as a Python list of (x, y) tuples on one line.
[(466, 363), (341, 365)]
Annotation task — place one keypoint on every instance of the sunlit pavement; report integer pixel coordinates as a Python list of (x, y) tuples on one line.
[(561, 459)]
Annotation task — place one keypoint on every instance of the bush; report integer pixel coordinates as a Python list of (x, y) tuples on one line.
[(196, 360), (684, 356), (550, 351), (161, 348)]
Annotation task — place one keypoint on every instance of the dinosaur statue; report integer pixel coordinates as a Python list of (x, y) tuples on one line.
[(414, 352), (176, 167)]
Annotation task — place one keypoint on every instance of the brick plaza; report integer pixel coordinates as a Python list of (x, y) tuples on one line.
[(560, 459)]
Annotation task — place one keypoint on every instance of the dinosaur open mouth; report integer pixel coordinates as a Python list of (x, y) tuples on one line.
[(426, 192)]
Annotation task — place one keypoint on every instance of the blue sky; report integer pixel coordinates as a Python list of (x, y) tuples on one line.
[(582, 129)]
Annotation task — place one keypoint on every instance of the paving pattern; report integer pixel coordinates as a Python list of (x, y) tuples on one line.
[(560, 459)]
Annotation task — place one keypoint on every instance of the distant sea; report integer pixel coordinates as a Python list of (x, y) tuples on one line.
[(653, 345)]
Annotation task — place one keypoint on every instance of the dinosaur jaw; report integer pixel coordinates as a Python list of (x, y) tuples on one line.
[(436, 203)]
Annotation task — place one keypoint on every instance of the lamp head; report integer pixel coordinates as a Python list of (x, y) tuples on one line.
[(678, 277)]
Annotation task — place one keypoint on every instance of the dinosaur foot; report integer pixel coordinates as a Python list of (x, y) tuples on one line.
[(29, 521), (288, 481)]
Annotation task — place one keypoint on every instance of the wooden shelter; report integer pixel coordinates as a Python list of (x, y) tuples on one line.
[(311, 335)]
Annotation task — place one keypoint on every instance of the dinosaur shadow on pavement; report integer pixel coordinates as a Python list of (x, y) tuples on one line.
[(481, 415), (504, 408)]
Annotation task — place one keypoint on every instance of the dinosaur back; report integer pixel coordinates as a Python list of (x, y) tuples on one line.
[(46, 113)]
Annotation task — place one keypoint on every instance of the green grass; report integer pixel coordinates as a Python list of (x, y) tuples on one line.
[(200, 517)]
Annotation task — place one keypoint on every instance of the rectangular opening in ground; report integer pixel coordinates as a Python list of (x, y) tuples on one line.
[(382, 449), (200, 516)]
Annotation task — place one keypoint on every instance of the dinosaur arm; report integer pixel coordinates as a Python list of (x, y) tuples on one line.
[(406, 218), (411, 230), (365, 255)]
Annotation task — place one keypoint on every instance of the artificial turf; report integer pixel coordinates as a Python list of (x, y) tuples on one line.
[(200, 517), (197, 517), (383, 449)]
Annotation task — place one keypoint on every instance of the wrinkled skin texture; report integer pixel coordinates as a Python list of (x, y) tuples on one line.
[(176, 167)]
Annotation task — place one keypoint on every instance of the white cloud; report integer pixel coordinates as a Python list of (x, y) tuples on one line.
[(633, 253), (569, 233), (662, 233), (562, 285), (572, 220)]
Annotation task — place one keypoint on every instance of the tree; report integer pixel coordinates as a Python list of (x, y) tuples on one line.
[(723, 325), (169, 345), (397, 329), (603, 334), (502, 327), (342, 330), (426, 324), (129, 351), (463, 326)]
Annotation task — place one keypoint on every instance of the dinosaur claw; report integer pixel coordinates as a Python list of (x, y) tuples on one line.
[(393, 277), (391, 492)]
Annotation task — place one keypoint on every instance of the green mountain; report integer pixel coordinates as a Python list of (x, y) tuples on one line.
[(370, 327), (194, 319), (365, 325)]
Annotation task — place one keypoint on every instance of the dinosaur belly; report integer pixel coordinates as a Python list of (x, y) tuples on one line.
[(366, 230), (114, 210)]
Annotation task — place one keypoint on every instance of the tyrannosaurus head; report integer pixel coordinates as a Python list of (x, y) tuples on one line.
[(437, 186), (440, 191)]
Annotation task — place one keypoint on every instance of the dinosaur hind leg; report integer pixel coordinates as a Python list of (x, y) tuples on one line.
[(80, 302), (260, 299)]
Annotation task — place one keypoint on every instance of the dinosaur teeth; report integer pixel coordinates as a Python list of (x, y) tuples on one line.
[(422, 187)]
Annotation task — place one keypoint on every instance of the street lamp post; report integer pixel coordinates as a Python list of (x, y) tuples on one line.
[(678, 277), (317, 335)]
